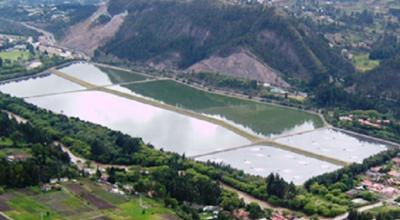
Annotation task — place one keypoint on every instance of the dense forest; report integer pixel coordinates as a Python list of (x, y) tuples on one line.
[(42, 161)]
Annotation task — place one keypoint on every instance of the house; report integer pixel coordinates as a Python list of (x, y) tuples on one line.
[(394, 173), (53, 180), (396, 161), (241, 214), (389, 192), (64, 180), (359, 201), (45, 187), (376, 169), (117, 191), (128, 189), (17, 157), (278, 217), (352, 193), (210, 208), (89, 171)]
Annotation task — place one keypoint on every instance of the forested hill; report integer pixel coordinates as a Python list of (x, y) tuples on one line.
[(180, 33), (383, 82)]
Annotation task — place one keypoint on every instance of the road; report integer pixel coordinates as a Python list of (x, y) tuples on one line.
[(47, 37), (81, 163)]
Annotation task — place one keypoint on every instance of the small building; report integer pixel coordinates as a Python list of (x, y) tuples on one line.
[(242, 214), (396, 161), (45, 187), (210, 208), (389, 192), (64, 180)]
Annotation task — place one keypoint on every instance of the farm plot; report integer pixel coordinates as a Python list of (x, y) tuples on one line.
[(78, 202), (78, 190), (64, 204), (24, 207)]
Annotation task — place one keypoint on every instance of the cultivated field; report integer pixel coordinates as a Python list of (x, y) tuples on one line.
[(84, 200)]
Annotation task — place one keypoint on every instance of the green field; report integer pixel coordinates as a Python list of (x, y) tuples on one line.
[(118, 76), (261, 118), (31, 203), (363, 63), (15, 55), (5, 142)]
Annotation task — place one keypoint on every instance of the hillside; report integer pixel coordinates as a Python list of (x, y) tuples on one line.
[(209, 34), (383, 82), (93, 32)]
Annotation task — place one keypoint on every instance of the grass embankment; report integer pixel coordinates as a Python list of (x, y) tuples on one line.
[(120, 76)]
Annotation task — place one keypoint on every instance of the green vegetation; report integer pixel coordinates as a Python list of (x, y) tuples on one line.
[(15, 55), (25, 204), (73, 12), (120, 76), (262, 118), (170, 177), (160, 35), (388, 131), (14, 28), (133, 210), (24, 207), (363, 63)]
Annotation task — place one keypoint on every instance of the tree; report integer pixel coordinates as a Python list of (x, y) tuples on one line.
[(31, 48), (255, 211)]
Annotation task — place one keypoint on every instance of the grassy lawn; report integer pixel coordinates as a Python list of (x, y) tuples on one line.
[(15, 55), (118, 76), (261, 118), (132, 210), (363, 63), (6, 142)]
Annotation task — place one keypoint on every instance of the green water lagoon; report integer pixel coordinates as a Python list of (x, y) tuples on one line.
[(261, 118)]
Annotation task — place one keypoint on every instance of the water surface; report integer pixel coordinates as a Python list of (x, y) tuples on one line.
[(164, 129), (263, 160), (39, 86), (335, 144)]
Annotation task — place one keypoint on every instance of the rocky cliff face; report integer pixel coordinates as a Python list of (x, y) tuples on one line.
[(241, 64), (87, 36)]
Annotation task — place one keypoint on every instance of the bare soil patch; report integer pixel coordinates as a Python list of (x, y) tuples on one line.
[(102, 218), (97, 202), (4, 207)]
